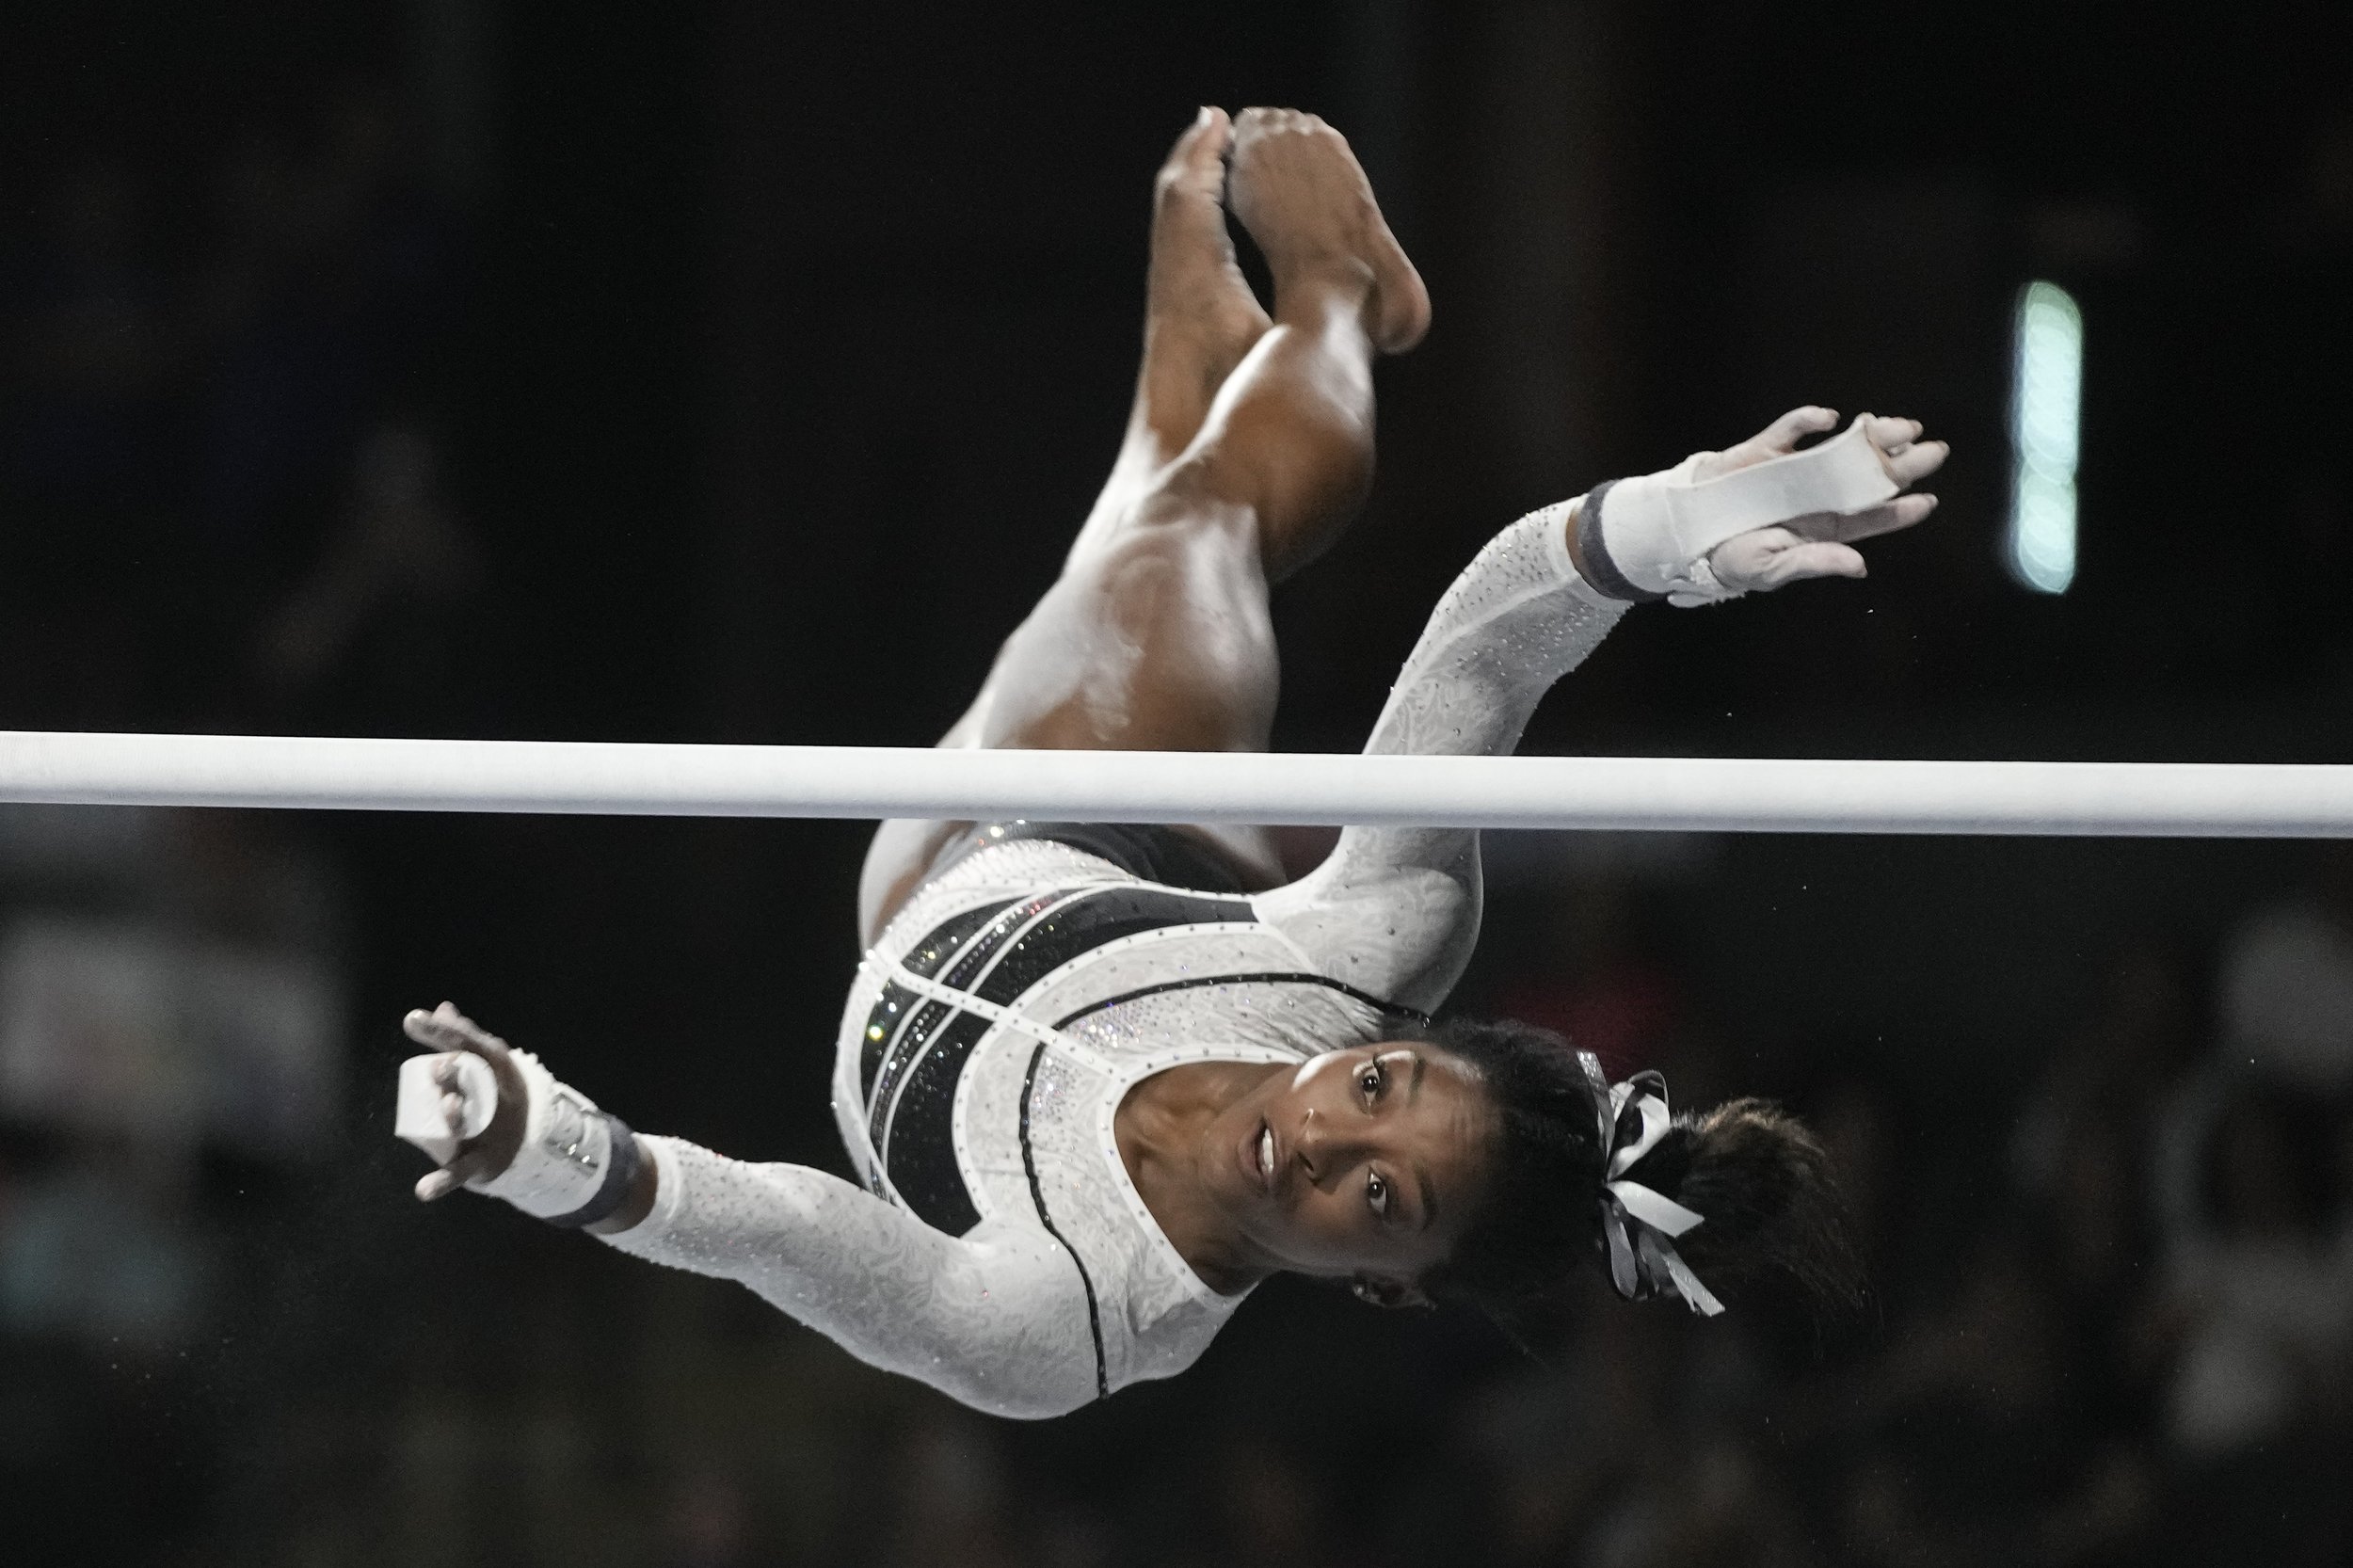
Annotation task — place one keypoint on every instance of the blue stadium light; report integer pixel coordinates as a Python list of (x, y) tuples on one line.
[(2046, 410)]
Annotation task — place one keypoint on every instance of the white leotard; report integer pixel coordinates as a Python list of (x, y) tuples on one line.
[(998, 1249)]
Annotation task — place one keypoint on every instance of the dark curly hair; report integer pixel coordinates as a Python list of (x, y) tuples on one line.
[(1760, 1180)]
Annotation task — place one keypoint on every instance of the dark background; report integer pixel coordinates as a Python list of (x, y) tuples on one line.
[(739, 372)]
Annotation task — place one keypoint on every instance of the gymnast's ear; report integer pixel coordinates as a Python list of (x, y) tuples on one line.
[(1376, 1291)]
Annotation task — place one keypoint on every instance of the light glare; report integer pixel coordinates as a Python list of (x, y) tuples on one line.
[(2046, 405)]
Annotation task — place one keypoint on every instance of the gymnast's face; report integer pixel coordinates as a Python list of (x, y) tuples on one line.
[(1364, 1164)]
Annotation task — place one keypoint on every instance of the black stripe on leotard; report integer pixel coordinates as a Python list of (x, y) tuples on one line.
[(913, 1092), (1276, 977), (1037, 1197), (894, 1009), (918, 1072), (1101, 918), (961, 952)]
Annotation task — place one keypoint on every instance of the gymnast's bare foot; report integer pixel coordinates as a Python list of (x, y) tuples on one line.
[(1201, 318), (1304, 198)]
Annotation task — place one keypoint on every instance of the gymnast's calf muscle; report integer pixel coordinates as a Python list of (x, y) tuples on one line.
[(1097, 1082)]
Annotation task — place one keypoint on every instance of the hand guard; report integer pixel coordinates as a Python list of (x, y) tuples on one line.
[(574, 1163), (1721, 523)]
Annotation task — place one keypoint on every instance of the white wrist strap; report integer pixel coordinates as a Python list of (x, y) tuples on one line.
[(1659, 528), (567, 1146)]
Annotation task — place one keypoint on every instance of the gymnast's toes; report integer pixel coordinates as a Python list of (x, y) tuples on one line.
[(1304, 197), (1195, 286), (1196, 165)]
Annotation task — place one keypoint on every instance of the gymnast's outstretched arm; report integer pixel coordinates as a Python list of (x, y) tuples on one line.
[(996, 1318), (1394, 911)]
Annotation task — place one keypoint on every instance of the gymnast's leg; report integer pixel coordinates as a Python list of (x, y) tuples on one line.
[(1248, 452)]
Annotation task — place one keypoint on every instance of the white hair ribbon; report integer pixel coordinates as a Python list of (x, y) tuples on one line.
[(1642, 1262)]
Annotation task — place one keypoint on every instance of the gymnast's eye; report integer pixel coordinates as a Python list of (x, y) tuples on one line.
[(1369, 1082), (1377, 1194)]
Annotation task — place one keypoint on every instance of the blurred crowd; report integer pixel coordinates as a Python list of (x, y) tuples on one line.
[(224, 505)]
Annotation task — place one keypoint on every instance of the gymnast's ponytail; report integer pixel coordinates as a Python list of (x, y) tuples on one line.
[(1763, 1185), (1584, 1173)]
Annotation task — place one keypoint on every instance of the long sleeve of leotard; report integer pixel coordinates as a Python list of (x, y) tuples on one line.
[(1395, 910), (996, 1317)]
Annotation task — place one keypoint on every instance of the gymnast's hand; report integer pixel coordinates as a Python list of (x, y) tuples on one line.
[(1755, 516), (453, 1035), (1820, 544)]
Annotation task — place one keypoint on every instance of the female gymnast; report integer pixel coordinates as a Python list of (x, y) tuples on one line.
[(1098, 1081)]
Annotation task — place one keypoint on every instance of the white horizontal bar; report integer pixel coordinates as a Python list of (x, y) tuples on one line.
[(1712, 794)]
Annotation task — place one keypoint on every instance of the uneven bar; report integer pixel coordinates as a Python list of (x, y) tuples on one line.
[(1707, 794)]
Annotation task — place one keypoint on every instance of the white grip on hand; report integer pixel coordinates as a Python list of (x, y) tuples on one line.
[(421, 1115), (1659, 529), (566, 1146)]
